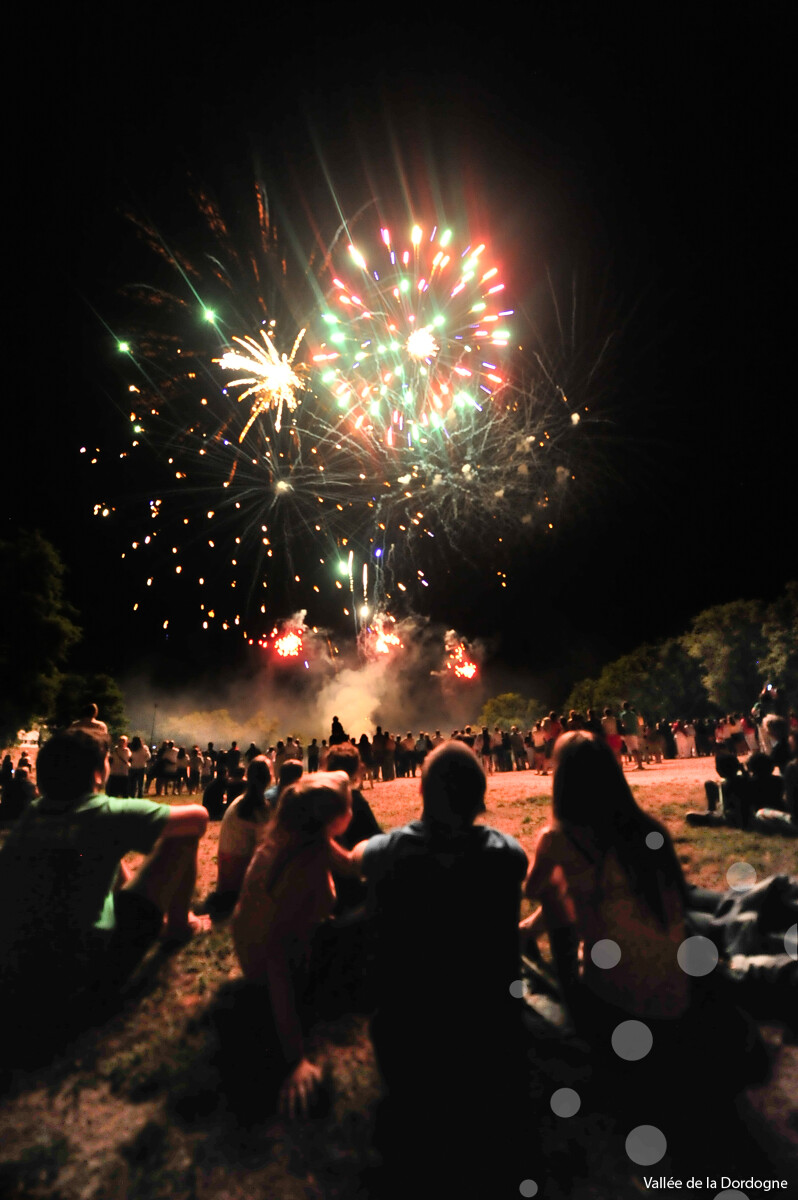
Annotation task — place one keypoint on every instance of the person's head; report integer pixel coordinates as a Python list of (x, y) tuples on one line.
[(345, 758), (259, 773), (89, 712), (72, 764), (315, 806), (135, 742), (590, 791), (589, 787), (123, 741), (727, 765), (776, 727), (452, 787), (760, 765), (290, 772), (259, 777)]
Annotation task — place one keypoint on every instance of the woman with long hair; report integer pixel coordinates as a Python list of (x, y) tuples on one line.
[(239, 831), (606, 872), (287, 893)]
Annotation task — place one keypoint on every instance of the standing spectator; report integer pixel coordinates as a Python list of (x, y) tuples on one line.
[(378, 752), (117, 784), (612, 734), (169, 768), (139, 761), (337, 734), (388, 765), (181, 771), (405, 756), (89, 721), (194, 770), (364, 750), (631, 733), (518, 749), (313, 756), (483, 746)]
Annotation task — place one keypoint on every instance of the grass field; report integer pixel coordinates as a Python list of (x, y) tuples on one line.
[(132, 1108)]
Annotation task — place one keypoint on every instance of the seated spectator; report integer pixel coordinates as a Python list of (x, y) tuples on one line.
[(74, 917), (290, 772), (213, 796), (596, 881), (742, 791), (238, 836), (446, 896), (236, 783), (606, 872), (783, 818), (776, 731), (287, 893), (345, 757)]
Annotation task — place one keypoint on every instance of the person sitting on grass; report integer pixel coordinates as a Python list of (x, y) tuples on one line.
[(238, 836), (744, 789), (75, 918), (447, 1032), (728, 801), (287, 893), (615, 905)]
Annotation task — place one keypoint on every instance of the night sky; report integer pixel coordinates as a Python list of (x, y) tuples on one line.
[(647, 154)]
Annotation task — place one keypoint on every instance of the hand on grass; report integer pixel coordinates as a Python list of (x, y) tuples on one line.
[(299, 1089)]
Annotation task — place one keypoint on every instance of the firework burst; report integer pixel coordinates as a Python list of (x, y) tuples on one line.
[(272, 378), (418, 433)]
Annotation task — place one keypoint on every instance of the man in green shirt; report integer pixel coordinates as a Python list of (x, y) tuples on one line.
[(75, 920)]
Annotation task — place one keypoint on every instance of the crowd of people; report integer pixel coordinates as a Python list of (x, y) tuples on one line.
[(309, 881)]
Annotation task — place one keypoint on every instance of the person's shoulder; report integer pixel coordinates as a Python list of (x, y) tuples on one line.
[(382, 846), (119, 806), (496, 841)]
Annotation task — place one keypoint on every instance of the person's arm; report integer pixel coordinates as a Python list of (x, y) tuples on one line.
[(304, 1077), (186, 820), (539, 874), (341, 860)]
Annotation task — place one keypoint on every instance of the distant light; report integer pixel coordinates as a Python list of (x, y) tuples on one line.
[(209, 315), (123, 347), (415, 236)]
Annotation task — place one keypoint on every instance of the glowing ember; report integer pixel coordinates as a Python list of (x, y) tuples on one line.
[(289, 645), (460, 664)]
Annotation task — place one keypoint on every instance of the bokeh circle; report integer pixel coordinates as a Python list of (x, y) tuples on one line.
[(697, 956), (632, 1040), (565, 1102), (646, 1145)]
